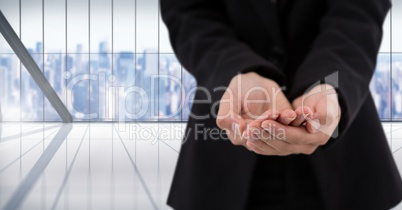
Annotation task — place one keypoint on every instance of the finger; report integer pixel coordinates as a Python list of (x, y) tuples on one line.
[(327, 111), (279, 148), (228, 118), (228, 112), (255, 149), (234, 127), (295, 135), (328, 114), (256, 131), (313, 124), (261, 148), (267, 115), (238, 126), (260, 138), (302, 113), (274, 142), (265, 136), (255, 125), (286, 116)]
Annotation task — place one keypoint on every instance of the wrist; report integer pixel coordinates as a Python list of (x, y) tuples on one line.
[(267, 74), (258, 77)]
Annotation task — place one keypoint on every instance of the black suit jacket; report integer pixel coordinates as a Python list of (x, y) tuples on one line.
[(296, 44)]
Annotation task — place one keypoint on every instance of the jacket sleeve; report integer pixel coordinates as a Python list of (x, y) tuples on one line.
[(345, 52), (207, 46)]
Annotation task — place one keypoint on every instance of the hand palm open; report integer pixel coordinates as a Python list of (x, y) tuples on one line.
[(256, 114)]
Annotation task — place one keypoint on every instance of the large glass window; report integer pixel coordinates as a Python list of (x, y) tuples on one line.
[(10, 68), (111, 60), (386, 83), (107, 60)]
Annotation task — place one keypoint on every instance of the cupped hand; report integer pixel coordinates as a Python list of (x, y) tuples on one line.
[(251, 97), (317, 116)]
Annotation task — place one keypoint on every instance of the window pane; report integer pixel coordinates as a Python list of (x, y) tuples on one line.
[(386, 37), (77, 26), (396, 26), (124, 26), (10, 87), (55, 26), (31, 25), (32, 37), (125, 93), (146, 100), (31, 95), (397, 86), (164, 41), (77, 94), (55, 65), (170, 88), (189, 86), (10, 10), (147, 26), (100, 82), (380, 86), (101, 26)]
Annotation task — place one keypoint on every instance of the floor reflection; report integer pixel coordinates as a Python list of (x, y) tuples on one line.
[(86, 166), (98, 165), (26, 185)]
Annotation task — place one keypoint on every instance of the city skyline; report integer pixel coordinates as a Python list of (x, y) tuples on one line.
[(63, 70)]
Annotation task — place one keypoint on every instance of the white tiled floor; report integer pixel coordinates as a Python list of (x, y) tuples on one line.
[(98, 165)]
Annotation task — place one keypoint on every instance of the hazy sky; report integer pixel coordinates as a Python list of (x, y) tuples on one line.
[(133, 28)]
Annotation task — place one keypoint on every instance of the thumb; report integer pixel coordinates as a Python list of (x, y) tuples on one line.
[(228, 119)]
